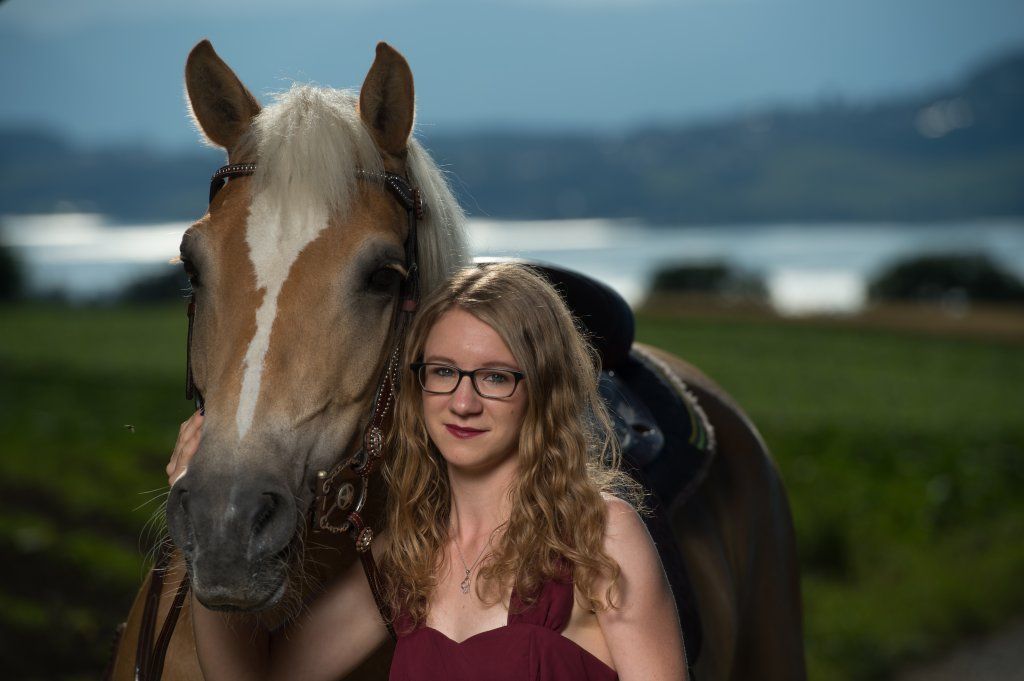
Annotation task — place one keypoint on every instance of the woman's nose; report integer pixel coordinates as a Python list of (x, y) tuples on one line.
[(465, 400)]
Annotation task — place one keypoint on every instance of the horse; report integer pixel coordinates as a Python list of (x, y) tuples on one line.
[(298, 268)]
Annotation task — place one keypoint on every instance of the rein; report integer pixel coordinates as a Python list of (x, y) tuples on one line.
[(341, 493)]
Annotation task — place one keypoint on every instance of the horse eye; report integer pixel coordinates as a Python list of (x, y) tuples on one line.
[(190, 271), (385, 278)]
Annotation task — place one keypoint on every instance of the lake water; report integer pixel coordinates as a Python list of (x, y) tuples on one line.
[(807, 267)]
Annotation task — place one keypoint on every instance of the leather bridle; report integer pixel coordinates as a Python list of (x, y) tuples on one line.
[(341, 493)]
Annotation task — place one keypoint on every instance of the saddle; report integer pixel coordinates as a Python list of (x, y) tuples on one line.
[(667, 454)]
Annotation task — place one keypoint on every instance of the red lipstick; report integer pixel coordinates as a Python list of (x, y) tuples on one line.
[(462, 433)]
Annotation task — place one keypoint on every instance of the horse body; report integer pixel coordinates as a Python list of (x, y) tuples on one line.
[(295, 277), (738, 543)]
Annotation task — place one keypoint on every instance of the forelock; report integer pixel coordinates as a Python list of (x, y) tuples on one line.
[(309, 143)]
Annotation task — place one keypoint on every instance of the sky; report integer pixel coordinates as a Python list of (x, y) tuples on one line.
[(110, 71)]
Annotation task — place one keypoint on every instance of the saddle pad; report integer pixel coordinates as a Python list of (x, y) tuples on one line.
[(677, 469)]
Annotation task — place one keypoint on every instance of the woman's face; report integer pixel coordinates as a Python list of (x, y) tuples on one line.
[(472, 433)]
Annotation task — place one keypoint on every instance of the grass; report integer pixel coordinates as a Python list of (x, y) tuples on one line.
[(90, 405), (902, 453)]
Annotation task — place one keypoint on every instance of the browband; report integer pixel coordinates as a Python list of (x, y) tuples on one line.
[(406, 194)]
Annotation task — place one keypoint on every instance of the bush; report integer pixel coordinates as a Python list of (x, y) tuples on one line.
[(12, 275), (972, 277), (716, 278), (161, 287)]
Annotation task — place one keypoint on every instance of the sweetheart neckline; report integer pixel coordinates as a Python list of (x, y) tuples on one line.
[(507, 625)]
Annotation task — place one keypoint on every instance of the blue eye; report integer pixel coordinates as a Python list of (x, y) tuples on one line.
[(498, 377), (441, 371)]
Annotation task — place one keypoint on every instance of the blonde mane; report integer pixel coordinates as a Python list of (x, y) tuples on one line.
[(308, 144)]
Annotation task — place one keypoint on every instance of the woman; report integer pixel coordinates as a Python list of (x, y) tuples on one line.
[(508, 551)]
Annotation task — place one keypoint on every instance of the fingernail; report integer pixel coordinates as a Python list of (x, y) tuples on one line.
[(180, 476)]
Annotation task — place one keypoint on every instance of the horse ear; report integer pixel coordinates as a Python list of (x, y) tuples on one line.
[(221, 106), (387, 100)]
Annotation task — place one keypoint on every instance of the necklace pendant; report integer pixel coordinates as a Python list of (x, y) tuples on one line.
[(465, 584)]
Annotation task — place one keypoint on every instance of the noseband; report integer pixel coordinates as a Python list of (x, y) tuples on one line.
[(340, 494)]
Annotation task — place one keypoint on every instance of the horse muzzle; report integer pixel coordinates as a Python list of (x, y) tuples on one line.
[(235, 535)]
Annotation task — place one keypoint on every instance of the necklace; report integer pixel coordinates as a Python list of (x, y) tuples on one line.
[(467, 580)]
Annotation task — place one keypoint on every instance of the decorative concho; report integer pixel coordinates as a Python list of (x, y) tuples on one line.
[(364, 539), (346, 495), (374, 441)]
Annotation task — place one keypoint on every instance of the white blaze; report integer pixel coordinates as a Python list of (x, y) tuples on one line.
[(309, 144), (275, 234)]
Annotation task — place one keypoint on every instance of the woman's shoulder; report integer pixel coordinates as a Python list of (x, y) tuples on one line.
[(627, 540), (622, 521)]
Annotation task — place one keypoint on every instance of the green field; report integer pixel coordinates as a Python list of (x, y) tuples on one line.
[(903, 454)]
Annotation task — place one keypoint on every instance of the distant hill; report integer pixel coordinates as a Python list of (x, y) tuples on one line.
[(957, 152), (41, 172)]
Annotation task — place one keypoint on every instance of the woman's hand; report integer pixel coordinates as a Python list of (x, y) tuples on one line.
[(185, 448)]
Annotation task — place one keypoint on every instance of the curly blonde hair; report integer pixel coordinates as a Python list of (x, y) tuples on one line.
[(567, 454)]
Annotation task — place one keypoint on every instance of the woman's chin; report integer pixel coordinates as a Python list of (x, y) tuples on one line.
[(474, 462)]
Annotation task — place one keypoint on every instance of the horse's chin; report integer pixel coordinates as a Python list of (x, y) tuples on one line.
[(224, 601), (243, 588)]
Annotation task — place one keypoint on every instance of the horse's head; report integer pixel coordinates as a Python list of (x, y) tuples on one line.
[(296, 272)]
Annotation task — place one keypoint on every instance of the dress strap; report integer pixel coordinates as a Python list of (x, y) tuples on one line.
[(552, 608)]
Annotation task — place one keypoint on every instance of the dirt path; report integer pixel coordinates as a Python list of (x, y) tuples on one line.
[(999, 657)]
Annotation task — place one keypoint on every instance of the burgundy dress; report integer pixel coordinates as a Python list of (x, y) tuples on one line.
[(529, 647)]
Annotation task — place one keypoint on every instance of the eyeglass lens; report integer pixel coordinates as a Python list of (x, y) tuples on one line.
[(441, 378)]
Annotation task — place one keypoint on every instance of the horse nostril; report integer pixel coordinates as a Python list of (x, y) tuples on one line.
[(180, 520), (267, 507), (221, 524)]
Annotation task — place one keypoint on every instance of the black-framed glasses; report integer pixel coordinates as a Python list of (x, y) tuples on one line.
[(443, 379)]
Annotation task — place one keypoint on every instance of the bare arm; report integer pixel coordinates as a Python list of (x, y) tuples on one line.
[(338, 629), (229, 646), (643, 634)]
